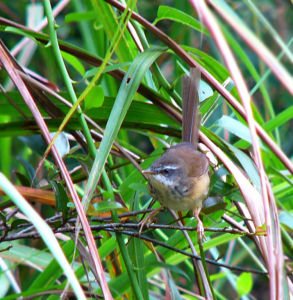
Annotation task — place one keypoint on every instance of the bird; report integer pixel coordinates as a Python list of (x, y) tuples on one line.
[(179, 179)]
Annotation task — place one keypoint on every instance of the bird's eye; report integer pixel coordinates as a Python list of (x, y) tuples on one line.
[(166, 171)]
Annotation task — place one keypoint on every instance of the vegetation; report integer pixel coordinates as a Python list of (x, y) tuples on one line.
[(91, 95)]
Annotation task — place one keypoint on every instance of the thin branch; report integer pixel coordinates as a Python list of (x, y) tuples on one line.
[(35, 235)]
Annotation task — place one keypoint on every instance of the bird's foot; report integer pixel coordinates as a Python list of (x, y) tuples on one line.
[(200, 231), (200, 228)]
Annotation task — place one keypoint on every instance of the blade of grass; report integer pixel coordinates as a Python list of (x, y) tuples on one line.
[(57, 9), (123, 100), (45, 232), (170, 13), (270, 29), (271, 219), (126, 50), (114, 44), (254, 43), (66, 77), (201, 268), (11, 67), (230, 61), (139, 256), (211, 80), (123, 249)]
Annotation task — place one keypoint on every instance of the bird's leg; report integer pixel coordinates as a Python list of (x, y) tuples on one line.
[(200, 228), (142, 223)]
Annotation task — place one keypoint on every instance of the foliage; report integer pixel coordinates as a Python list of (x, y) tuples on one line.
[(105, 85)]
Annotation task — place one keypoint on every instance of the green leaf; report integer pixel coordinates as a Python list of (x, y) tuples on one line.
[(104, 206), (123, 100), (52, 271), (95, 98), (218, 276), (61, 198), (139, 187), (24, 254), (23, 179), (30, 293), (74, 62), (170, 13), (209, 63), (171, 268), (106, 17), (248, 166), (107, 247), (80, 16), (138, 255), (20, 32), (30, 173), (92, 72), (244, 284), (17, 222), (237, 128), (45, 231), (280, 119), (140, 112)]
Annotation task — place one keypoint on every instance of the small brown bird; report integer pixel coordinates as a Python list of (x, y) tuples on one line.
[(179, 179)]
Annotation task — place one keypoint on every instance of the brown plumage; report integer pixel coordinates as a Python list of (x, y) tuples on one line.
[(179, 179), (190, 105)]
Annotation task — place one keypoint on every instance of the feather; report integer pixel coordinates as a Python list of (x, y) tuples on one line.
[(191, 117)]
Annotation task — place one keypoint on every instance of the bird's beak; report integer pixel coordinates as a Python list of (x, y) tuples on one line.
[(148, 172)]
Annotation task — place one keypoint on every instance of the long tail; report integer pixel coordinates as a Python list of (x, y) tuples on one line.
[(191, 116)]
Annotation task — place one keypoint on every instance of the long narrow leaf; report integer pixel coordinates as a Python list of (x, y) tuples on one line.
[(125, 95), (45, 232)]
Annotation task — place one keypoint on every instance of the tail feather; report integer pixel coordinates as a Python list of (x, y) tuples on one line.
[(191, 116)]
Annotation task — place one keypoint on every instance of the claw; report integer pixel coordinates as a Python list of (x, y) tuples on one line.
[(200, 227)]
